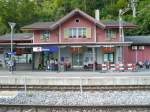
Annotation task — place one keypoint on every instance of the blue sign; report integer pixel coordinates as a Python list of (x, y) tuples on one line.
[(45, 49), (62, 59), (11, 53), (50, 49)]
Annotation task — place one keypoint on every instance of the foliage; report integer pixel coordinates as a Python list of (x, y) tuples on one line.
[(143, 18), (24, 12)]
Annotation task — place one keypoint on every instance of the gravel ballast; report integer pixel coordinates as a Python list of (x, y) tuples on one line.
[(74, 98)]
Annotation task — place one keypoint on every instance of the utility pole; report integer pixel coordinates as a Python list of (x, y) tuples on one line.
[(133, 7), (121, 13), (12, 25), (85, 5)]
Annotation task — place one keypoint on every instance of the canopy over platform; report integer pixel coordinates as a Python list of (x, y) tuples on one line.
[(138, 39)]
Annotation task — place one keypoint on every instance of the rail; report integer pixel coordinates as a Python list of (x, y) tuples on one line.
[(61, 108), (75, 87)]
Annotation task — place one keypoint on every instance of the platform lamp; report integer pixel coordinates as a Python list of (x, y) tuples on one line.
[(12, 25), (131, 6)]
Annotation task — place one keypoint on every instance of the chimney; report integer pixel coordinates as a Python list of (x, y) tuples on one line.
[(97, 14)]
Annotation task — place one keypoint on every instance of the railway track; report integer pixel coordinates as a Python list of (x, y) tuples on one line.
[(75, 87), (48, 108)]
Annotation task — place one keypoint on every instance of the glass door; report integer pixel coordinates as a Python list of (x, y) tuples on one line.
[(109, 57), (77, 59)]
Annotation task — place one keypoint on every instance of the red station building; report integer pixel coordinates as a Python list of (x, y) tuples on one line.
[(78, 40)]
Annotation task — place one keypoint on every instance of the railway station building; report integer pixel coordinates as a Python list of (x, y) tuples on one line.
[(79, 41)]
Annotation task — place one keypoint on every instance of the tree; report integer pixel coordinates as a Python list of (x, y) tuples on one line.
[(24, 12), (142, 19), (3, 27)]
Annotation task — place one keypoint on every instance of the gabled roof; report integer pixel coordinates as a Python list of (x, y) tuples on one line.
[(77, 11), (138, 39), (38, 25), (17, 37), (53, 25), (115, 24)]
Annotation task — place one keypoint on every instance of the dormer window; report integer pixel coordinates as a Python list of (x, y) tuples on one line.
[(45, 35)]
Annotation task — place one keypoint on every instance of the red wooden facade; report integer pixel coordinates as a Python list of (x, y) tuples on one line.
[(96, 34)]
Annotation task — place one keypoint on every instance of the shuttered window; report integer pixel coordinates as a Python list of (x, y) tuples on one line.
[(88, 33), (78, 32), (66, 33)]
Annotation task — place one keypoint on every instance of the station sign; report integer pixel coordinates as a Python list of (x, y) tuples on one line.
[(50, 49), (37, 49), (45, 49), (11, 53)]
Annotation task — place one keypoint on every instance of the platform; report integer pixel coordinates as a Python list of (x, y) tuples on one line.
[(74, 78)]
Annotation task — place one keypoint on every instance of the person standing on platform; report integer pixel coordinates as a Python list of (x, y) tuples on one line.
[(56, 65), (14, 64)]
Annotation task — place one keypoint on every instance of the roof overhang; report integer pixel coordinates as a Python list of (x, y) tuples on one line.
[(31, 29), (65, 18), (125, 27), (72, 13), (76, 44)]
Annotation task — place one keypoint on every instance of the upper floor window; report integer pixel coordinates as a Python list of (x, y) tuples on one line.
[(110, 34), (45, 35), (77, 32), (77, 20)]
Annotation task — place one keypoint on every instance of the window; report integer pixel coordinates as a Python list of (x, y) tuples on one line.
[(84, 32), (45, 35), (110, 34), (89, 49), (77, 32), (80, 32), (70, 33), (74, 32), (77, 20), (109, 57)]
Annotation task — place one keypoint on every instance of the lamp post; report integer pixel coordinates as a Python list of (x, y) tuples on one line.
[(12, 25), (121, 32), (132, 6)]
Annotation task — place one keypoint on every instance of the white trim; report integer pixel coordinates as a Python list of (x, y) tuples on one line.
[(103, 43), (108, 45), (75, 46), (62, 46), (95, 38), (94, 46), (59, 35)]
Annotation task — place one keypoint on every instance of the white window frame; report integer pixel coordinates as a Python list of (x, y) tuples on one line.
[(77, 31)]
